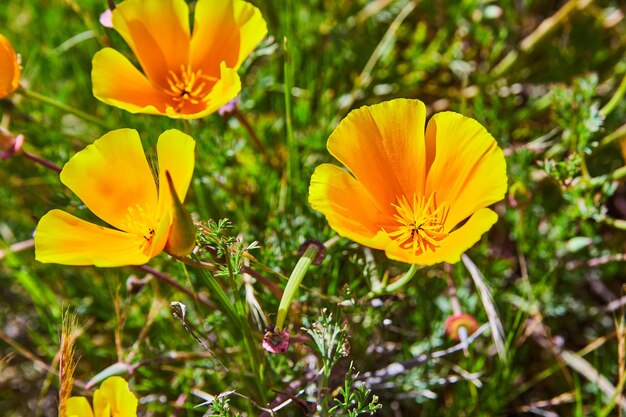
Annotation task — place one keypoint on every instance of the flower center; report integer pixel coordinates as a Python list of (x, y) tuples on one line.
[(139, 222), (188, 87), (420, 223)]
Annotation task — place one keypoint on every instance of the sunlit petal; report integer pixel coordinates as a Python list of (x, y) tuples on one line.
[(9, 68), (118, 83), (78, 407), (112, 177), (158, 33), (468, 167), (224, 31), (453, 245), (383, 146), (114, 395), (175, 151), (252, 28), (348, 207), (65, 239)]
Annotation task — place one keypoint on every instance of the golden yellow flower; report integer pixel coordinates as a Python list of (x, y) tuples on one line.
[(420, 197), (112, 177), (185, 75), (9, 68), (113, 399)]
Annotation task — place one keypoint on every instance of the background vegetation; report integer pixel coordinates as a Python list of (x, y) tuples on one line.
[(545, 77)]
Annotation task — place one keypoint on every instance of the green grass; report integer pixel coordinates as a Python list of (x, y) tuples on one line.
[(553, 261)]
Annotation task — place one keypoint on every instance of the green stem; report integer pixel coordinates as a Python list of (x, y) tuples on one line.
[(255, 138), (295, 279), (616, 175), (236, 313), (223, 301), (244, 324), (619, 133), (186, 126), (61, 106), (528, 44), (616, 223), (403, 280), (617, 97), (292, 149)]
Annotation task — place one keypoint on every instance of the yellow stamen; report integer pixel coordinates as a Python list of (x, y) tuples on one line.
[(420, 223), (188, 86), (140, 222)]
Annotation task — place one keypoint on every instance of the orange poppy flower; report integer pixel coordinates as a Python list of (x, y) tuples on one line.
[(112, 399), (420, 197), (186, 75), (9, 68), (112, 177)]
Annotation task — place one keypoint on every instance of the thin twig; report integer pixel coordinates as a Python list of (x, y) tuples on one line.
[(173, 283), (397, 368), (42, 161), (255, 138)]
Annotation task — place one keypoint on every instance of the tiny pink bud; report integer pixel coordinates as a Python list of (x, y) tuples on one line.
[(105, 18), (9, 143), (229, 108)]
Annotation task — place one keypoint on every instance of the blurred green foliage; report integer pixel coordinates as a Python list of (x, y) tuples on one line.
[(554, 260)]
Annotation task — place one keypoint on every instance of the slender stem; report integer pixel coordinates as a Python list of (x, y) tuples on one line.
[(255, 138), (617, 97), (583, 165), (69, 109), (173, 283), (527, 45), (17, 247), (292, 148), (251, 345), (456, 308), (619, 133), (403, 280), (237, 315), (616, 223), (616, 175), (41, 161), (186, 126), (195, 262)]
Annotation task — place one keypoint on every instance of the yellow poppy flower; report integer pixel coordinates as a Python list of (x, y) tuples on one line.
[(9, 68), (420, 197), (186, 75), (113, 399), (112, 177)]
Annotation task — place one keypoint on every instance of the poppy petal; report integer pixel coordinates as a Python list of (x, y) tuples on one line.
[(469, 170), (348, 207), (252, 28), (453, 245), (158, 33), (224, 31), (115, 394), (65, 239), (112, 177), (175, 151), (383, 146), (78, 407), (9, 68), (118, 83)]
